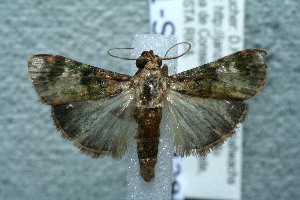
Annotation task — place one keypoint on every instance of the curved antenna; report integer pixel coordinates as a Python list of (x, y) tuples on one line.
[(162, 58), (175, 57), (115, 56)]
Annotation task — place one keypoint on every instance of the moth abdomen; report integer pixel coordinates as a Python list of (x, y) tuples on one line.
[(147, 137)]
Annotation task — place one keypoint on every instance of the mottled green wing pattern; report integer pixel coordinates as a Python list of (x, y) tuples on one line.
[(61, 80), (238, 76)]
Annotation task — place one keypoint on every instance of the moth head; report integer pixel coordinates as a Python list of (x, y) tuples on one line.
[(146, 57)]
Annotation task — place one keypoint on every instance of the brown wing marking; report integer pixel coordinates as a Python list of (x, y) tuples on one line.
[(98, 128), (61, 80), (238, 76), (200, 125)]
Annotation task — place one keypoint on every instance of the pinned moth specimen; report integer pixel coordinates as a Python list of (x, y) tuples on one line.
[(100, 110)]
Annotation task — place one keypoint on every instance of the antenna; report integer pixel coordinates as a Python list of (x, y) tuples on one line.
[(162, 58)]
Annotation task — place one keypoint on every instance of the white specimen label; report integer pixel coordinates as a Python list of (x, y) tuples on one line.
[(215, 28)]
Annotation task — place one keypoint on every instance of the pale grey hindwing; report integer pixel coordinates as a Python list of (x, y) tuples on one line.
[(98, 128), (200, 124)]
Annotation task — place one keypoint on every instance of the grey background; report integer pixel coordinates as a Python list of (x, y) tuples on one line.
[(36, 163)]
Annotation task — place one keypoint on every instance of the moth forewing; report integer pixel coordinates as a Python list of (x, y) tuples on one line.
[(60, 80), (238, 76)]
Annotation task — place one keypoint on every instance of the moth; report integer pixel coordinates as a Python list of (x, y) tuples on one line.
[(99, 110)]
